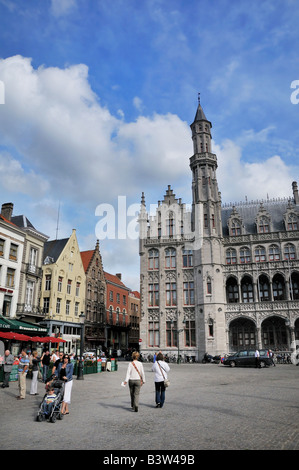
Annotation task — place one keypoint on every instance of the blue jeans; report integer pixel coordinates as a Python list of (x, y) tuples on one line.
[(160, 393)]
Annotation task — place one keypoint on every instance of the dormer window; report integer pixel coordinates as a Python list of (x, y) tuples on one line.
[(235, 228), (292, 222), (263, 225)]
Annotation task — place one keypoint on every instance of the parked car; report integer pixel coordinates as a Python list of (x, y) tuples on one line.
[(247, 358)]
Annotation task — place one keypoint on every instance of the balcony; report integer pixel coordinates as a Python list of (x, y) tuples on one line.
[(34, 270)]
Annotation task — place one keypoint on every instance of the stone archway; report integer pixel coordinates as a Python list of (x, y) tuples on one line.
[(274, 334), (242, 334)]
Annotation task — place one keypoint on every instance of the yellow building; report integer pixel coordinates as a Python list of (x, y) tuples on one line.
[(63, 290)]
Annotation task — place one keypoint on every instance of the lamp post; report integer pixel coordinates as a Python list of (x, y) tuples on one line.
[(178, 339), (80, 375)]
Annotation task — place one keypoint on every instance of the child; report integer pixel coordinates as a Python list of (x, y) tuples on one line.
[(49, 401)]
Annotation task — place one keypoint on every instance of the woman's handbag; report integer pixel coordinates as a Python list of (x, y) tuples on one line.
[(141, 381), (166, 381)]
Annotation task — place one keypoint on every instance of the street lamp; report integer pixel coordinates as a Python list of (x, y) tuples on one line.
[(80, 375), (178, 339)]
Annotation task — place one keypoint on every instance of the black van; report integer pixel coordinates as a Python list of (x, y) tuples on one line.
[(247, 358)]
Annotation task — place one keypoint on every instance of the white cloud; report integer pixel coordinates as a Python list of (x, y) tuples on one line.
[(238, 179), (62, 7)]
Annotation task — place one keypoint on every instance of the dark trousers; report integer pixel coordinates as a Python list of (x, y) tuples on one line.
[(6, 379), (160, 393)]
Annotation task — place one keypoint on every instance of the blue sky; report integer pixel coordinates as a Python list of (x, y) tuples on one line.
[(99, 96)]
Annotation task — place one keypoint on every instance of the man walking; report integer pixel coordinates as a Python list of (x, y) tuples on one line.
[(8, 363), (22, 370)]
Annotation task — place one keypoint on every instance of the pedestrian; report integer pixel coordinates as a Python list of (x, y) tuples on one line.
[(22, 373), (64, 372), (257, 359), (58, 361), (45, 360), (7, 368), (271, 356), (136, 378), (35, 367), (160, 368)]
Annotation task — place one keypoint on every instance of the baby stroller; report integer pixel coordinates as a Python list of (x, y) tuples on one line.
[(55, 411)]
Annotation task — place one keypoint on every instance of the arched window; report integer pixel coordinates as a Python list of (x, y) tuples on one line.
[(170, 258), (260, 254), (274, 253), (245, 256), (289, 251), (231, 256), (153, 259), (278, 287), (232, 291), (247, 290), (170, 225), (264, 288)]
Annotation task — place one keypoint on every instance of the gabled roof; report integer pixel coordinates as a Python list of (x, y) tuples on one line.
[(7, 221), (86, 258), (114, 280), (54, 248)]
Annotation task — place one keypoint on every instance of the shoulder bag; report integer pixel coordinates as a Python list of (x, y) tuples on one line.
[(141, 381), (166, 381)]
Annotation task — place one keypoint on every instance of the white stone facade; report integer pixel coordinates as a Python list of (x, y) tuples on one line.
[(221, 278)]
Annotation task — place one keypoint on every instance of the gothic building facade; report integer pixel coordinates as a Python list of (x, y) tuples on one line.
[(219, 278)]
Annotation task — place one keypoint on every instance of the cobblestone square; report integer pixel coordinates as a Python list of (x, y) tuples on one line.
[(208, 407)]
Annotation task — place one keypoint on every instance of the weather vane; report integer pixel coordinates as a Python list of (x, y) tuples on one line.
[(198, 98)]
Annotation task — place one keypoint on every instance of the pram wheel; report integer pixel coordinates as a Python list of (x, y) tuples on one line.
[(60, 416), (53, 419), (39, 418)]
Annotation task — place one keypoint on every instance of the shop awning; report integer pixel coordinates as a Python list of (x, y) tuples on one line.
[(9, 324)]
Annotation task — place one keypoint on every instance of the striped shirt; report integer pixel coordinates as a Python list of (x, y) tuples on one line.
[(24, 361)]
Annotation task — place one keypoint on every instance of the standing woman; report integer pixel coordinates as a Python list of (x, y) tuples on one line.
[(160, 368), (35, 365), (136, 378), (64, 372)]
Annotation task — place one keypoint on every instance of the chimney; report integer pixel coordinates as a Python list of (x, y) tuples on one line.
[(6, 210), (118, 275), (295, 192)]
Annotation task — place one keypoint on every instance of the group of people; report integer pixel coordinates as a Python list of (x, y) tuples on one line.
[(62, 369), (135, 377)]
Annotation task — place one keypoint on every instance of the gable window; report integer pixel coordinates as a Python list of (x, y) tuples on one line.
[(235, 228), (263, 225), (48, 282), (170, 226), (292, 222)]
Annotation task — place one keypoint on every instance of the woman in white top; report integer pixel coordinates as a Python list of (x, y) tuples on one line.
[(160, 368), (136, 378)]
